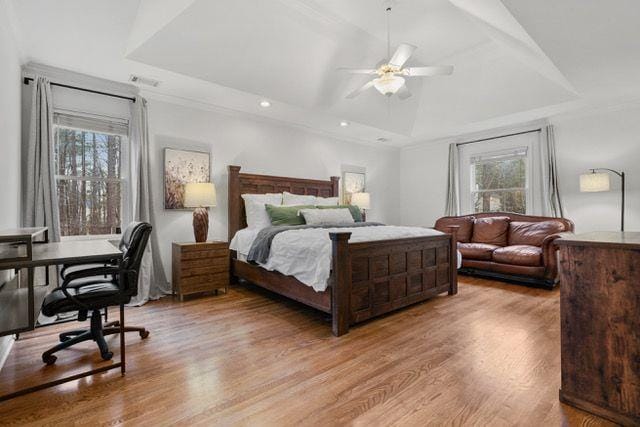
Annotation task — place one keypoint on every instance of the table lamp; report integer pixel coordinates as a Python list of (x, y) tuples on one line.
[(200, 196), (597, 181), (363, 201)]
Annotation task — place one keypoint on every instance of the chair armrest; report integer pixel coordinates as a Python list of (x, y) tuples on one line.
[(73, 267), (82, 274)]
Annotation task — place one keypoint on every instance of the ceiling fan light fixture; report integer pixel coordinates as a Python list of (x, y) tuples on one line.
[(388, 84)]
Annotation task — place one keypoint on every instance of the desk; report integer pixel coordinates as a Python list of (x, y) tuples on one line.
[(22, 250)]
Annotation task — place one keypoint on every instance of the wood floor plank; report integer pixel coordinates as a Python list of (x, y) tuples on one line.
[(487, 356)]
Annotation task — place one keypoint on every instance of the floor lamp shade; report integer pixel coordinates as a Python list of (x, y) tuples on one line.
[(598, 180), (594, 182), (200, 196)]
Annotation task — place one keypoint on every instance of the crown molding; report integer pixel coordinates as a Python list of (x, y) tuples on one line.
[(230, 112)]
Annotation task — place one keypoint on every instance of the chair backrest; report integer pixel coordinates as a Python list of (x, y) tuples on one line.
[(133, 244)]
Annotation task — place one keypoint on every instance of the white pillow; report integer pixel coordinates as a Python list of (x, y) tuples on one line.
[(326, 201), (297, 199), (254, 206), (327, 216)]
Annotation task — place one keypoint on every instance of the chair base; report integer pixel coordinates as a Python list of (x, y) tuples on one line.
[(96, 333)]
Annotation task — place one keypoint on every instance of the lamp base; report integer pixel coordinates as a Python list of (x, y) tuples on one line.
[(200, 224)]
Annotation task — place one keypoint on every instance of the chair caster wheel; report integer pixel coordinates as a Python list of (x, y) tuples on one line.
[(107, 355), (144, 334), (49, 359)]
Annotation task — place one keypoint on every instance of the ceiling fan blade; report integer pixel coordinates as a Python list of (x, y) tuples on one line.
[(358, 70), (402, 54), (436, 70), (360, 90), (403, 93)]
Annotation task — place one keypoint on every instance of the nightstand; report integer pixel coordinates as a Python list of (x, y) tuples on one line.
[(200, 267)]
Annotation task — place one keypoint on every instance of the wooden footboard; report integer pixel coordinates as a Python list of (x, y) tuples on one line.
[(372, 278)]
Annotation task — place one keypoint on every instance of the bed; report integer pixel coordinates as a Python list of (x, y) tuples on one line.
[(367, 278)]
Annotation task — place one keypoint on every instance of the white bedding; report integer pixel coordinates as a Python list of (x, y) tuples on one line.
[(306, 254)]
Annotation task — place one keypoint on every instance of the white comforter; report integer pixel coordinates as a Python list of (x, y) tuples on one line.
[(306, 254)]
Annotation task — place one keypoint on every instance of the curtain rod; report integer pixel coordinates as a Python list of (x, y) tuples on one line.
[(29, 79), (498, 137)]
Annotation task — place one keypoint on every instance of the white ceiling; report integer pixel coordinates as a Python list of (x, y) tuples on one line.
[(514, 60)]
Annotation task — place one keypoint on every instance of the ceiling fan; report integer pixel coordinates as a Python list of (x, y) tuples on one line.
[(391, 74)]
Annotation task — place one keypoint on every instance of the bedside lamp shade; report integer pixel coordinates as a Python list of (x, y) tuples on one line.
[(197, 195), (594, 182), (361, 200)]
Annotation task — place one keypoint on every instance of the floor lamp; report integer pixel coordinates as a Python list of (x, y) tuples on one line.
[(598, 180)]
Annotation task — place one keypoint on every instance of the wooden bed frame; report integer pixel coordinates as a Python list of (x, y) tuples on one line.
[(367, 278)]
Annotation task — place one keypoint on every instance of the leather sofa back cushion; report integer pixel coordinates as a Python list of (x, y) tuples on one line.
[(465, 224), (532, 233), (491, 230)]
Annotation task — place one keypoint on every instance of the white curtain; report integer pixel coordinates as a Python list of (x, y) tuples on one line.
[(152, 282), (452, 207), (551, 203), (41, 203)]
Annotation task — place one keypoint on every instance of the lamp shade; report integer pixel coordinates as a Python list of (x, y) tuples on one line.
[(201, 194), (594, 182), (388, 84), (361, 200)]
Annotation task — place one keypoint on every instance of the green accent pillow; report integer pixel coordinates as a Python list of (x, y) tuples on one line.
[(286, 215), (355, 211)]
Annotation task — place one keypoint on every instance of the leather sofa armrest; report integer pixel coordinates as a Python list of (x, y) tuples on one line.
[(549, 254)]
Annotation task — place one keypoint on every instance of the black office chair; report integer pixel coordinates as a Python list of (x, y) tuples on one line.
[(94, 289)]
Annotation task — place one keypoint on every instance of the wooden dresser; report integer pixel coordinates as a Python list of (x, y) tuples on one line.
[(200, 267), (600, 324)]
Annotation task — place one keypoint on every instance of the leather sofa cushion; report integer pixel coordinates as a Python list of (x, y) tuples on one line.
[(532, 233), (478, 251), (519, 255), (491, 230), (465, 224)]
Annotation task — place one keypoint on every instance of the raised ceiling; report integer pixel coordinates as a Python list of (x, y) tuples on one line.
[(514, 60)]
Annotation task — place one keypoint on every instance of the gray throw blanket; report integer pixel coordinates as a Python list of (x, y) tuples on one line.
[(261, 246)]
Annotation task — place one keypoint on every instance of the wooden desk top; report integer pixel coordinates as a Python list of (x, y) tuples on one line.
[(609, 239), (24, 232), (67, 252)]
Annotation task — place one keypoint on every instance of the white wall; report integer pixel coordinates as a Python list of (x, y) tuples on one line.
[(609, 139), (598, 139), (259, 147), (9, 136)]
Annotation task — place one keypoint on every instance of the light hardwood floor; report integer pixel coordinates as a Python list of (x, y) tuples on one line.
[(490, 356)]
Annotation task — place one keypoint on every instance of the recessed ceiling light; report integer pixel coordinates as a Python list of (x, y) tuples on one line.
[(265, 104), (344, 123)]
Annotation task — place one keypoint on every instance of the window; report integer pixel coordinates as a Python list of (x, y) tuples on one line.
[(499, 181), (501, 174), (89, 170)]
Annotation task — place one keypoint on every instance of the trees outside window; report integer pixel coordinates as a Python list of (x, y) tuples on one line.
[(89, 180), (499, 182)]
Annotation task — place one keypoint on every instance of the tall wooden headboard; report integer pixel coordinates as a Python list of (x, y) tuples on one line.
[(246, 183)]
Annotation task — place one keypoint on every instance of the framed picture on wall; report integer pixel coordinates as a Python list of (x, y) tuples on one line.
[(353, 181), (182, 167)]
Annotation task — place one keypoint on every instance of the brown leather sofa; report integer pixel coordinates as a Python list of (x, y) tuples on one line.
[(509, 246)]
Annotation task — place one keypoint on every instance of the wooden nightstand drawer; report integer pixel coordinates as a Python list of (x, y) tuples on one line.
[(200, 267)]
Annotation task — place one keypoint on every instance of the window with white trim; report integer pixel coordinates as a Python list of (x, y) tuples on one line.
[(89, 173), (500, 174), (499, 181)]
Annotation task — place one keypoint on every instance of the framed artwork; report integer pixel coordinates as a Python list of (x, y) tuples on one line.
[(352, 182), (182, 167)]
